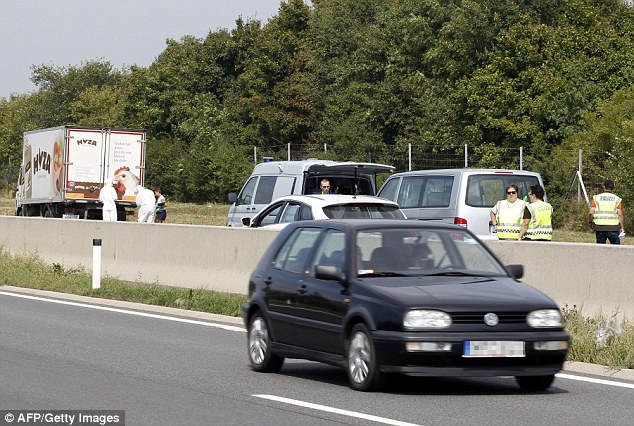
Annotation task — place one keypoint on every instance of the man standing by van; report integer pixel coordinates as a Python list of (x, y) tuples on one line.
[(539, 227), (506, 215), (606, 215)]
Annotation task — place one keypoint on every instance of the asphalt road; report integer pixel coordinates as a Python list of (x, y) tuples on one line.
[(164, 369)]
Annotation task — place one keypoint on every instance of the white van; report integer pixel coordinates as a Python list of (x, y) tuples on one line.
[(459, 196), (274, 179)]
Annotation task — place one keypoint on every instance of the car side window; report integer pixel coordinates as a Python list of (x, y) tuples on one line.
[(389, 189), (246, 195), (331, 251), (291, 213), (438, 191), (411, 192), (306, 213), (294, 252), (268, 218)]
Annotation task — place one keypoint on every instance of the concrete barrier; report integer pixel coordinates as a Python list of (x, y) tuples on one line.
[(214, 258), (597, 278)]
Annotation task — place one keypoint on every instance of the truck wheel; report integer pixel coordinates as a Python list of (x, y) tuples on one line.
[(121, 214)]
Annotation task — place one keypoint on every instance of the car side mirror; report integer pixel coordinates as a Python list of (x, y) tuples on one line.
[(246, 221), (329, 272), (232, 197), (516, 271)]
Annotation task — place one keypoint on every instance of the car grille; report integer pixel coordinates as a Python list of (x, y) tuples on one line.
[(478, 317)]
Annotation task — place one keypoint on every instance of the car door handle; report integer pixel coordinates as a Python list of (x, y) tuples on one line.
[(302, 289)]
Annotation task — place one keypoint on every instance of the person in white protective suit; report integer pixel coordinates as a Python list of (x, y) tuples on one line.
[(145, 202), (108, 196)]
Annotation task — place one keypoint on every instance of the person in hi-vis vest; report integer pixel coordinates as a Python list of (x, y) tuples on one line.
[(540, 226), (507, 215), (606, 215)]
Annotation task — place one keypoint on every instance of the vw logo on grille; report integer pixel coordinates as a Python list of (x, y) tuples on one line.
[(491, 319)]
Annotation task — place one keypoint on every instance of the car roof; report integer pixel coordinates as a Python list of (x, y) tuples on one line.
[(322, 200), (360, 224), (320, 166), (454, 172)]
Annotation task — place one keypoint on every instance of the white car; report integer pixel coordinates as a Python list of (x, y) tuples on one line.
[(293, 208)]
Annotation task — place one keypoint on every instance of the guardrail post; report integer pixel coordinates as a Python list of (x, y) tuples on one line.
[(96, 264)]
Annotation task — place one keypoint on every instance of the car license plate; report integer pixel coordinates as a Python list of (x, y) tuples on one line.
[(70, 216), (493, 349)]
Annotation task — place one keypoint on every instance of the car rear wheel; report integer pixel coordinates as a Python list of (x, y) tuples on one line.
[(261, 357), (535, 383), (363, 371)]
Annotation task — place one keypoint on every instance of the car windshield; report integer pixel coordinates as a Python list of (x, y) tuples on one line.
[(416, 251), (363, 211)]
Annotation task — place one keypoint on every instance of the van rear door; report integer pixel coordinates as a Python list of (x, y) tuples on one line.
[(349, 170)]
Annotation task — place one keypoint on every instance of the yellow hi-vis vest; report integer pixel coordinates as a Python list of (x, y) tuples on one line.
[(540, 226), (605, 212), (509, 218)]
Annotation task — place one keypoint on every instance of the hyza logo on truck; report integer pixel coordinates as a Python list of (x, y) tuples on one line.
[(86, 142), (42, 161)]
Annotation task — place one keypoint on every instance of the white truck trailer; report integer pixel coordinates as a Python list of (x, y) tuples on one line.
[(64, 168)]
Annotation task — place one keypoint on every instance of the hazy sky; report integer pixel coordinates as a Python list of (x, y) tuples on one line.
[(123, 32)]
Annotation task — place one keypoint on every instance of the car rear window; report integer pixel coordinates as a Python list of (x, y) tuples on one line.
[(363, 211), (486, 190)]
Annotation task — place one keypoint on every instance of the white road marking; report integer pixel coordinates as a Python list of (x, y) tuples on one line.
[(335, 410), (592, 380), (125, 311)]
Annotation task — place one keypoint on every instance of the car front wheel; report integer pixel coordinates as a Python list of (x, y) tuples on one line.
[(535, 383), (362, 367), (261, 357)]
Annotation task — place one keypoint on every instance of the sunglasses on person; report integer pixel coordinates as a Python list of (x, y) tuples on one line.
[(511, 192)]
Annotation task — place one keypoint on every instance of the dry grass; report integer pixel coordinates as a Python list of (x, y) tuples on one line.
[(197, 214), (183, 213)]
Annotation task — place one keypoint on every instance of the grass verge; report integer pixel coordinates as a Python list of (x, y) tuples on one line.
[(29, 271)]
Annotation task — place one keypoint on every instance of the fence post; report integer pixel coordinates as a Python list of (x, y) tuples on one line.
[(409, 154), (289, 151), (466, 156), (579, 170), (521, 158), (255, 155), (325, 148)]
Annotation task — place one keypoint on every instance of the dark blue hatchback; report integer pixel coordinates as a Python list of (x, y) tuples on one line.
[(376, 297)]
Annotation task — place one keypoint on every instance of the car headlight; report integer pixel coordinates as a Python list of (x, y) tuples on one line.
[(545, 318), (420, 318)]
